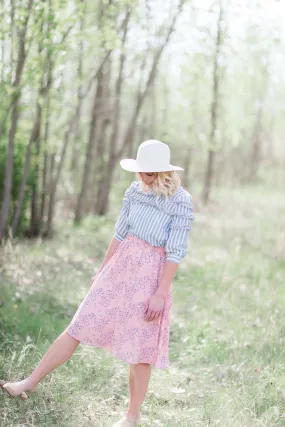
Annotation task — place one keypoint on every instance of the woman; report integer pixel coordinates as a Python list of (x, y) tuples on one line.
[(128, 307)]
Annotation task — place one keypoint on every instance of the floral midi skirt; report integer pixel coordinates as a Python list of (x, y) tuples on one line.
[(112, 315)]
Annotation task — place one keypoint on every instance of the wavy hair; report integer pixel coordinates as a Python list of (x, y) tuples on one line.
[(165, 183)]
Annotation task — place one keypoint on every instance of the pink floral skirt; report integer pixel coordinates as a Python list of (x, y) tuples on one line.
[(112, 315)]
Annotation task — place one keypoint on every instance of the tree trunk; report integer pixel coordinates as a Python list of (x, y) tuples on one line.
[(34, 230), (151, 78), (105, 181), (91, 145), (12, 18), (80, 207), (101, 170), (102, 147), (48, 232), (88, 158), (56, 180), (9, 172), (256, 146), (45, 166), (187, 166), (77, 133), (2, 52), (104, 188), (192, 133), (214, 108), (34, 137), (116, 154), (35, 220), (153, 111), (14, 121)]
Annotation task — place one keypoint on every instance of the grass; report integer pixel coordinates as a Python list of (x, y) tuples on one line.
[(227, 340)]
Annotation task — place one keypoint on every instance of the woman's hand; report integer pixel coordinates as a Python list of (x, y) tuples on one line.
[(155, 307)]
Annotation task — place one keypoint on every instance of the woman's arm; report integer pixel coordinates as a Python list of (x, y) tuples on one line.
[(121, 229), (115, 243), (176, 249), (168, 274), (157, 301)]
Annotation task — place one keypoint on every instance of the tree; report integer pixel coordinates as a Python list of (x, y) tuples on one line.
[(214, 109), (16, 93)]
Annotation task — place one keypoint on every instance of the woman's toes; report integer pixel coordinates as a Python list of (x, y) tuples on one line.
[(12, 389)]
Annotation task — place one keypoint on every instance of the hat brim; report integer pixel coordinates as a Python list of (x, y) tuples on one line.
[(131, 165)]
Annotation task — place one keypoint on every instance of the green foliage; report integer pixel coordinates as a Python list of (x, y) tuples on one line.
[(18, 166)]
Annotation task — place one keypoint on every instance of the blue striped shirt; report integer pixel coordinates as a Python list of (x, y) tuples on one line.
[(158, 220)]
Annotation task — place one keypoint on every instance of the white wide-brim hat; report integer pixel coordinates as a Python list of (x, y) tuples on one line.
[(152, 156)]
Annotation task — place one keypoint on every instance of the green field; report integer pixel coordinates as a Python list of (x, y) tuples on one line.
[(228, 328)]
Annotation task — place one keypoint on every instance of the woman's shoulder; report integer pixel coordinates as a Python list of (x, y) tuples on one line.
[(133, 188), (181, 203), (182, 196), (133, 192)]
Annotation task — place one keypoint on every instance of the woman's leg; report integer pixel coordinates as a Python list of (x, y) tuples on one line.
[(59, 352), (139, 380)]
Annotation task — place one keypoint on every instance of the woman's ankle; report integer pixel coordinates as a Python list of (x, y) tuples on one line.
[(133, 414), (31, 383)]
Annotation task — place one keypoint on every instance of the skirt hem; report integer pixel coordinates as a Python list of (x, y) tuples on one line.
[(117, 355)]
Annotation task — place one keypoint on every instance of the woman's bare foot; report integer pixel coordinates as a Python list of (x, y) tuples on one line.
[(58, 353), (19, 388)]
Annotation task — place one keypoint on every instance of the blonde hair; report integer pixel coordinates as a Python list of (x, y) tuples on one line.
[(165, 183)]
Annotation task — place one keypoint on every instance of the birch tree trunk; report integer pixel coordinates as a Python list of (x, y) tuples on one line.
[(77, 133), (45, 165), (115, 154), (214, 112), (14, 121)]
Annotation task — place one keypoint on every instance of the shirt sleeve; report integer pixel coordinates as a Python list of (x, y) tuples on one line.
[(122, 226), (177, 243)]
